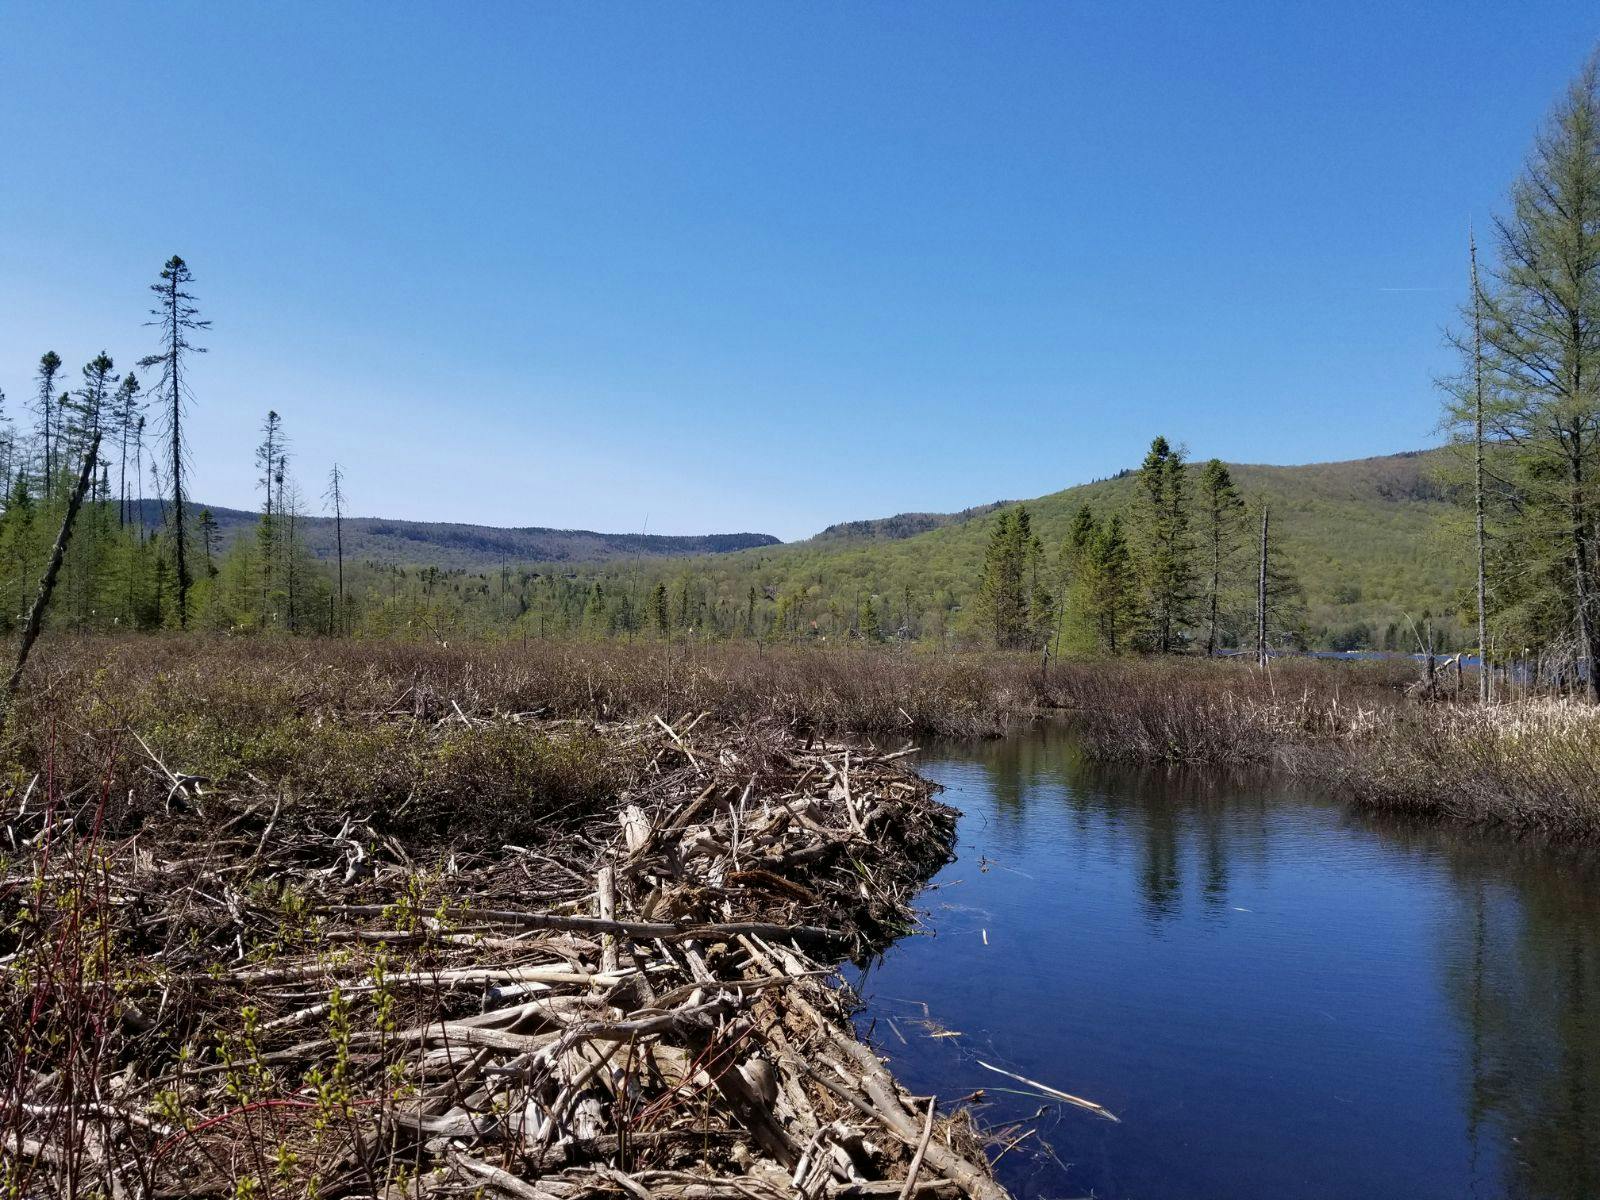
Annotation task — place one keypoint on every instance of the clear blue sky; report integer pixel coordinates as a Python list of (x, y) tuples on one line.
[(748, 266)]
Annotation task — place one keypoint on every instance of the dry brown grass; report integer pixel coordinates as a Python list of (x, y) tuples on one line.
[(316, 718), (1222, 712), (1533, 765)]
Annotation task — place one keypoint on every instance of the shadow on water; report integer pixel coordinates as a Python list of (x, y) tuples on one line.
[(1277, 996)]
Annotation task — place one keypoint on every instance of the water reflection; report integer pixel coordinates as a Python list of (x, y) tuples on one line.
[(1280, 997)]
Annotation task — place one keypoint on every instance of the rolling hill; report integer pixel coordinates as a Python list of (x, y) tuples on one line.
[(1376, 543), (472, 547)]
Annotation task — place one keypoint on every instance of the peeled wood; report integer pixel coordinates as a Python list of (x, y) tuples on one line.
[(681, 1044)]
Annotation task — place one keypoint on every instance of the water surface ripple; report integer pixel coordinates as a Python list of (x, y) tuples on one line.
[(1278, 997)]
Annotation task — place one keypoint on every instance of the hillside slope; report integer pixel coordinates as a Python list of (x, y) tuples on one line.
[(1376, 543), (473, 547)]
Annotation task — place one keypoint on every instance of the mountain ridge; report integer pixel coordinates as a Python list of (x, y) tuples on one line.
[(466, 546)]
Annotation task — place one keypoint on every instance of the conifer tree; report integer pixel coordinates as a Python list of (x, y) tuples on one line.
[(1113, 586), (1279, 598), (1168, 561), (659, 616), (1223, 515), (177, 316), (1075, 623), (269, 454), (138, 468), (208, 540), (1540, 328), (85, 411), (47, 583), (45, 407), (871, 628), (1012, 603), (123, 420)]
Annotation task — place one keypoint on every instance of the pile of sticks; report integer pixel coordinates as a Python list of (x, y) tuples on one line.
[(259, 998)]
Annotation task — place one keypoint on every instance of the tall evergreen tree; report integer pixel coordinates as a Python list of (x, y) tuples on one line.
[(1223, 515), (208, 540), (269, 455), (1113, 585), (1002, 603), (1168, 560), (1279, 598), (177, 316), (1540, 328), (123, 420), (85, 411), (45, 407), (659, 615)]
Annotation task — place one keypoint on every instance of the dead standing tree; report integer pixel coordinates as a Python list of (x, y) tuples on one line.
[(97, 375), (177, 317), (335, 498), (1261, 594)]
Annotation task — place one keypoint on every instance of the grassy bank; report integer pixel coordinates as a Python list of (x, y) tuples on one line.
[(318, 719), (1359, 730)]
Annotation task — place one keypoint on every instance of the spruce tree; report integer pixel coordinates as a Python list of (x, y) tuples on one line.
[(85, 411), (124, 417), (1168, 558), (45, 407), (177, 316), (1012, 603), (871, 628), (269, 454), (659, 616), (208, 540), (1223, 516), (1113, 586)]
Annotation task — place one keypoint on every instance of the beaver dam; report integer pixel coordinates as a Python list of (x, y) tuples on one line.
[(216, 989)]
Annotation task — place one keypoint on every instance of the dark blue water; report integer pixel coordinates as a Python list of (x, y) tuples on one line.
[(1276, 996)]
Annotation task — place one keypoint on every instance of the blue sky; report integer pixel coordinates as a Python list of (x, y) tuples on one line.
[(765, 267)]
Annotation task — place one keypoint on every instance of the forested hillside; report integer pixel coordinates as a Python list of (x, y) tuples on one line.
[(1374, 545), (1372, 542), (455, 546)]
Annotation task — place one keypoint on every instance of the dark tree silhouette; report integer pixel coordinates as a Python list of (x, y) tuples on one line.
[(177, 317)]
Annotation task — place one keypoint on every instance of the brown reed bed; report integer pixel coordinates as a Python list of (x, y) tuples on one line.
[(295, 712)]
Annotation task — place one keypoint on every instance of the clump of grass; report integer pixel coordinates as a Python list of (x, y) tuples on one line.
[(1221, 713), (1533, 765)]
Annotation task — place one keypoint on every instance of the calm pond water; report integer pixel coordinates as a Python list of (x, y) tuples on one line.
[(1278, 997)]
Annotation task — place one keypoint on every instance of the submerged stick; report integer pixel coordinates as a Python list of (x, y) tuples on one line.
[(1068, 1097)]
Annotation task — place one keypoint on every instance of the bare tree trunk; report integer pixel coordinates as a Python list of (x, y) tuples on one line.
[(47, 584), (1261, 595), (178, 539), (338, 539), (1588, 634), (1485, 681), (1216, 579)]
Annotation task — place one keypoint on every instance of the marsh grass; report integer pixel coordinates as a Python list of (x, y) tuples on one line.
[(1533, 765), (401, 728), (1223, 712), (406, 728)]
